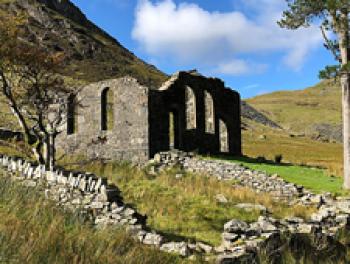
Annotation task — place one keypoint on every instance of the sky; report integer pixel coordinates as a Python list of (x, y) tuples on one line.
[(238, 41)]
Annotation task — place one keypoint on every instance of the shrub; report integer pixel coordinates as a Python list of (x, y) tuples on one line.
[(278, 158)]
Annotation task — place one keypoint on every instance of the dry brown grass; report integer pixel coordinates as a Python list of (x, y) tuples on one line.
[(301, 151)]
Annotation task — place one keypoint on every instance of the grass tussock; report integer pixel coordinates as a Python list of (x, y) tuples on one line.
[(34, 230), (187, 207)]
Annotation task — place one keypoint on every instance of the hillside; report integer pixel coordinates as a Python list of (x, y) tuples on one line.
[(91, 54), (315, 111)]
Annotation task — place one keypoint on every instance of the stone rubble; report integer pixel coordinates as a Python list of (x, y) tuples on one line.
[(259, 181), (240, 240), (228, 171)]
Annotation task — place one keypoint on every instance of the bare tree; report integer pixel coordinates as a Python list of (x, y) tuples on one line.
[(34, 91)]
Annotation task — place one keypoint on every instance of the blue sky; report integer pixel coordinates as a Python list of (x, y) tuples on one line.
[(236, 40)]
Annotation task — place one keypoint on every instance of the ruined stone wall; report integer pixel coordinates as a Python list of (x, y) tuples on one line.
[(123, 138), (199, 131), (122, 120)]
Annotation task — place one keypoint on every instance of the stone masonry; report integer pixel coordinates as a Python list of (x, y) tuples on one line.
[(119, 119)]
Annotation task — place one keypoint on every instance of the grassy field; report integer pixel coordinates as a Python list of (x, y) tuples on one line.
[(187, 207), (296, 150), (34, 230), (316, 165)]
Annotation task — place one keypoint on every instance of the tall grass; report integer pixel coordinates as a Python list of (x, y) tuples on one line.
[(187, 207), (35, 230)]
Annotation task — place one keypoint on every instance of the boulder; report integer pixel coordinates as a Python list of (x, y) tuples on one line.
[(236, 226)]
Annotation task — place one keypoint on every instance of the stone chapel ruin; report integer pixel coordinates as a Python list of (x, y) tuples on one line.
[(119, 119)]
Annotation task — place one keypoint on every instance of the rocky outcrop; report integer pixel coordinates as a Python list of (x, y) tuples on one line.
[(327, 132), (249, 112)]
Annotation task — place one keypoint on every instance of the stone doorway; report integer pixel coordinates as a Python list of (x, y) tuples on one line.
[(224, 145), (174, 130)]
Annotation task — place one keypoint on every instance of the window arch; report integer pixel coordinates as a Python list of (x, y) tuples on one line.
[(72, 123), (107, 111), (191, 113), (209, 113), (224, 145)]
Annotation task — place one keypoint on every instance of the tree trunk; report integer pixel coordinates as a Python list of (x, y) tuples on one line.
[(345, 83), (50, 152), (342, 29), (37, 151)]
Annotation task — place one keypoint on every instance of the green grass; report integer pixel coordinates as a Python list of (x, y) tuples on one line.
[(187, 208), (314, 179)]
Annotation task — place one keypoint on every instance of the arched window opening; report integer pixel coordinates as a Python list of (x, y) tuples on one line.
[(224, 145), (191, 112), (171, 130), (107, 111), (174, 132), (72, 120), (209, 113)]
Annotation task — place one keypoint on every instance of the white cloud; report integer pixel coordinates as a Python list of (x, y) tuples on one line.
[(188, 33), (240, 67), (251, 86)]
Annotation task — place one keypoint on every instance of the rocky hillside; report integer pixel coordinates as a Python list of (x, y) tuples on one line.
[(92, 55), (250, 113), (315, 111)]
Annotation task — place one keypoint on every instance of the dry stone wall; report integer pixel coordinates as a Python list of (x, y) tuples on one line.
[(95, 198), (242, 242)]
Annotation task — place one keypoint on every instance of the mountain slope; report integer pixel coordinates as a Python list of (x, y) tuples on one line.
[(315, 111), (92, 55), (250, 113)]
